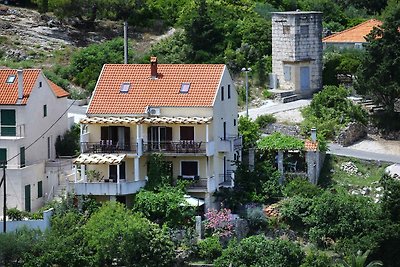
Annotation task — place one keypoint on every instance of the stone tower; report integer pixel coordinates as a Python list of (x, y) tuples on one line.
[(297, 52)]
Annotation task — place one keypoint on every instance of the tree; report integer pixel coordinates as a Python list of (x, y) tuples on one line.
[(166, 205), (378, 74), (250, 132), (114, 234)]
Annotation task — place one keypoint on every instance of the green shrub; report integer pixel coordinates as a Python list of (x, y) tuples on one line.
[(317, 259), (301, 187), (209, 248), (256, 219), (16, 215), (295, 210), (68, 144), (264, 120), (330, 110), (260, 251)]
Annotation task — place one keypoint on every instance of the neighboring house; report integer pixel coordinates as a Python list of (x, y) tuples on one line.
[(297, 52), (188, 112), (354, 37), (32, 116)]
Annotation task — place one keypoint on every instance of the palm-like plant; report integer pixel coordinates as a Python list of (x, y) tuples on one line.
[(360, 259)]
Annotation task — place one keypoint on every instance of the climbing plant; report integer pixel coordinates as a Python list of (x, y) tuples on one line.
[(278, 141)]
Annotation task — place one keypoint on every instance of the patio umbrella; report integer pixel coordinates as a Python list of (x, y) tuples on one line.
[(192, 201)]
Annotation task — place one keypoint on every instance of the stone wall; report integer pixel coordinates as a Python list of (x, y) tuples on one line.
[(353, 132), (292, 130)]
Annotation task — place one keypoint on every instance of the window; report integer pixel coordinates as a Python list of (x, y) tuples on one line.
[(3, 156), (189, 168), (287, 72), (48, 147), (44, 110), (286, 29), (40, 189), (125, 87), (224, 126), (304, 30), (222, 93), (234, 122), (184, 88), (10, 79), (229, 91), (186, 133), (40, 84), (22, 157), (8, 123)]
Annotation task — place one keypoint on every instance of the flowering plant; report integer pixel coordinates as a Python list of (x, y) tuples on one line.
[(219, 222)]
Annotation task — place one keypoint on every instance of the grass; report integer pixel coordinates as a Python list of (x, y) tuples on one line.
[(369, 172)]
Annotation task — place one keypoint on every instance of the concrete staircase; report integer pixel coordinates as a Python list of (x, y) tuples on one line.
[(285, 96), (368, 104)]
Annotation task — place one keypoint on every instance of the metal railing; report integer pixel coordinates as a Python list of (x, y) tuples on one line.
[(184, 146), (107, 146), (226, 177)]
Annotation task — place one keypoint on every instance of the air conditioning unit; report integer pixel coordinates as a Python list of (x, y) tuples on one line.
[(154, 111)]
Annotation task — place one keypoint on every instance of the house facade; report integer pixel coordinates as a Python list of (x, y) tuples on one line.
[(352, 38), (32, 116), (297, 52), (187, 112)]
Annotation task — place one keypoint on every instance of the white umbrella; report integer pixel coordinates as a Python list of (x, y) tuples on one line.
[(192, 201), (393, 171)]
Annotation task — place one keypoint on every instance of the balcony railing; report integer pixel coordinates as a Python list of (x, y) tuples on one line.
[(107, 147), (107, 188), (175, 147), (226, 178), (237, 143), (12, 130)]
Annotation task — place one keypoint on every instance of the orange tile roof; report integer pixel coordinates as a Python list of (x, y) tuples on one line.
[(310, 145), (355, 34), (9, 91), (161, 92), (58, 91)]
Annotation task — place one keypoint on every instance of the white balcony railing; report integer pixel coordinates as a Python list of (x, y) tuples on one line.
[(12, 131), (108, 189)]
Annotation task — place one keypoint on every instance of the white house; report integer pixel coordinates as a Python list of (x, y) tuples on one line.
[(188, 112), (32, 116)]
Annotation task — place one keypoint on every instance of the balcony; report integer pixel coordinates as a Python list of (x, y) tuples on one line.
[(237, 143), (12, 131), (176, 147), (227, 179), (107, 147), (107, 188)]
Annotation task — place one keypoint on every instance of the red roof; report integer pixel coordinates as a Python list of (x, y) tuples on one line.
[(310, 145), (356, 34), (9, 91), (164, 91)]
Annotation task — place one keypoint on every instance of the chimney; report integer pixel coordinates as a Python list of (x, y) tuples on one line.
[(313, 134), (20, 84), (153, 65)]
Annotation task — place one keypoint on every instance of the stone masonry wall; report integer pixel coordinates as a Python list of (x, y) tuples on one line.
[(293, 48)]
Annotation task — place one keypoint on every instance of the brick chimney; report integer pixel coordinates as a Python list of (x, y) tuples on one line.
[(20, 84), (153, 66)]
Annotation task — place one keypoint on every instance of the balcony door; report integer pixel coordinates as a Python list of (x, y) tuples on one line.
[(186, 133), (113, 172), (118, 135), (159, 137)]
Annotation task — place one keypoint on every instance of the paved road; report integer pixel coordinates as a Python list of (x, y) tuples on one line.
[(272, 107), (78, 112), (336, 149)]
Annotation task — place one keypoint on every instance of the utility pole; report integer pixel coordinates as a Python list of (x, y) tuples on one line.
[(246, 70), (125, 42), (3, 180)]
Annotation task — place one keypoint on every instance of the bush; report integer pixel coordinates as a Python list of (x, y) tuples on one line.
[(250, 132), (68, 144), (264, 120), (256, 219), (295, 210), (317, 259), (16, 215), (330, 110), (209, 248), (259, 251), (301, 187)]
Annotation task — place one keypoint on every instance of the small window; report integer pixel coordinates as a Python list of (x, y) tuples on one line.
[(287, 72), (304, 30), (222, 93), (125, 87), (234, 122), (184, 88), (44, 110), (10, 79), (40, 84), (286, 29), (229, 91), (22, 157), (189, 168), (40, 189)]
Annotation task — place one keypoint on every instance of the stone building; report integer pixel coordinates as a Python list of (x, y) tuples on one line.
[(297, 52)]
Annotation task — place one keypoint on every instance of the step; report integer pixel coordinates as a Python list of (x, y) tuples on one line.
[(290, 98)]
